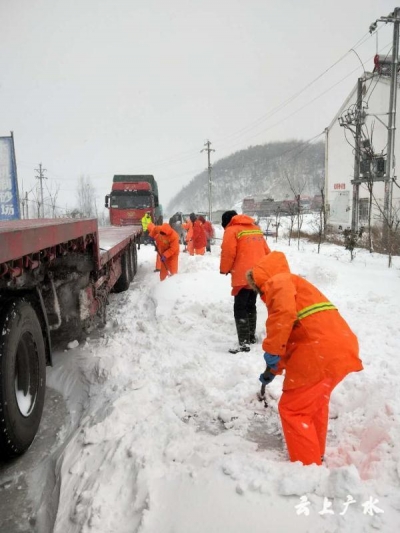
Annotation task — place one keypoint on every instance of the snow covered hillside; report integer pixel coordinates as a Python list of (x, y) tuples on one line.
[(166, 434)]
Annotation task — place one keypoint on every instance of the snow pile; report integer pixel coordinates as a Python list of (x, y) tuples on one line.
[(171, 437)]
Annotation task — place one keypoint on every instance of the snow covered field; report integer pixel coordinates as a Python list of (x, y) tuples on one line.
[(165, 432)]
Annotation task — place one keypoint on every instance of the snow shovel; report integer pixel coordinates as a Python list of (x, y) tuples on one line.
[(162, 262), (261, 395)]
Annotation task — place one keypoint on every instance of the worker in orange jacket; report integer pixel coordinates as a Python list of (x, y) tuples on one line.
[(208, 228), (153, 230), (310, 341), (243, 245), (166, 241), (188, 226), (199, 236)]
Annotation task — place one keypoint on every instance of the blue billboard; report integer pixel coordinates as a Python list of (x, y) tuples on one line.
[(9, 199)]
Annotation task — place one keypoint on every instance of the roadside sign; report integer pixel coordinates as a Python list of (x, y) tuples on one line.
[(9, 199)]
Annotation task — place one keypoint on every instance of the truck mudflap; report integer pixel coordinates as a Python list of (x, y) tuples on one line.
[(45, 329)]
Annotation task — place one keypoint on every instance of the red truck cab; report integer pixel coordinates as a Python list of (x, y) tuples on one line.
[(131, 197)]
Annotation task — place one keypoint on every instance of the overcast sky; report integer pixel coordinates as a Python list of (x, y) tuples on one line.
[(100, 87)]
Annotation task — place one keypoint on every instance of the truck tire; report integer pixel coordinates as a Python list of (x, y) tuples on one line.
[(124, 280), (134, 259), (131, 262), (22, 377)]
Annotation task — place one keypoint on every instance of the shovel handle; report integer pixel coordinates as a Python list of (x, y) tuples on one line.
[(261, 395)]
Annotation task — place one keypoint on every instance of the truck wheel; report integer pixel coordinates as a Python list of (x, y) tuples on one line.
[(124, 280), (131, 264), (22, 377), (134, 259)]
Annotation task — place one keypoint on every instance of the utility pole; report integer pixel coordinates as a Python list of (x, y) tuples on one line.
[(359, 120), (14, 160), (22, 201), (353, 119), (209, 150), (26, 203), (23, 206), (389, 172), (41, 177), (395, 18)]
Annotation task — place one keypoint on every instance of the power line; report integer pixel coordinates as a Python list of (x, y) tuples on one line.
[(191, 154), (305, 105), (273, 111), (185, 156)]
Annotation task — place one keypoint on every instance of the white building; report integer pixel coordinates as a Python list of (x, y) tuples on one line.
[(339, 162)]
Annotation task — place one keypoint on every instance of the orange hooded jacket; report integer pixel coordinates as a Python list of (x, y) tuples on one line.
[(188, 226), (208, 228), (242, 247), (167, 244), (199, 235), (303, 327), (167, 240), (153, 230)]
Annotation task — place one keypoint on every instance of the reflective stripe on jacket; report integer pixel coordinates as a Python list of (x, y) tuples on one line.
[(242, 246), (315, 308)]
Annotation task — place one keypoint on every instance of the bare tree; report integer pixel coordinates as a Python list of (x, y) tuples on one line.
[(103, 218), (37, 202), (291, 208), (317, 226), (297, 184), (300, 217), (53, 191), (277, 221), (322, 209), (321, 217), (86, 196), (365, 211), (268, 222), (391, 227)]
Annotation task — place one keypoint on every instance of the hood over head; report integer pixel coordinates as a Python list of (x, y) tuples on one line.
[(243, 220), (201, 218), (270, 265), (165, 229)]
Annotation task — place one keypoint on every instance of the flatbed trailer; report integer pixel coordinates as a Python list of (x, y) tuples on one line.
[(55, 277)]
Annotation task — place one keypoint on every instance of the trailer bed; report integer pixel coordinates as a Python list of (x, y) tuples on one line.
[(19, 238), (23, 237), (115, 238)]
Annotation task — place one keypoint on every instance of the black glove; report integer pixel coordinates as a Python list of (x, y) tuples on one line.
[(266, 377)]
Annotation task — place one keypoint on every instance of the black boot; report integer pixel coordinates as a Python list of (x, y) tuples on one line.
[(242, 328), (252, 327)]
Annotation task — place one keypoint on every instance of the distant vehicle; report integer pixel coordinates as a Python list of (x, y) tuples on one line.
[(176, 222), (131, 197), (270, 207)]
